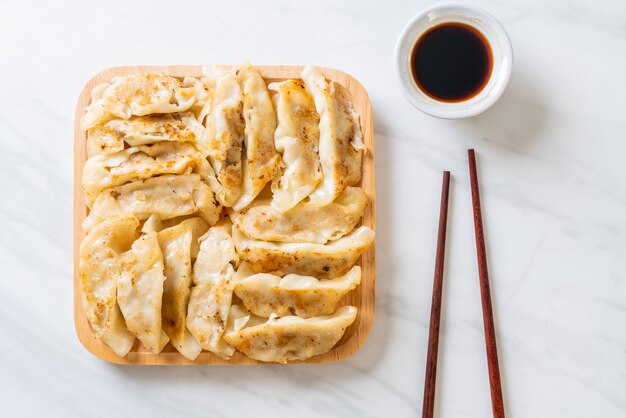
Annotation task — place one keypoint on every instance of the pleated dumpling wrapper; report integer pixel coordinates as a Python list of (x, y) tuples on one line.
[(264, 294), (341, 141), (109, 137), (297, 140), (137, 163), (168, 196), (212, 294), (99, 267), (177, 243), (318, 260), (140, 291), (201, 105), (225, 127), (261, 162), (137, 95), (287, 338), (305, 222)]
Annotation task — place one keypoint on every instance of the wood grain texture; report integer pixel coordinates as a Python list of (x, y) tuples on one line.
[(495, 386), (430, 381), (362, 297)]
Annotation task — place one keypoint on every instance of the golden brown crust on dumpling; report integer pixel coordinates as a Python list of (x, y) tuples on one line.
[(317, 260)]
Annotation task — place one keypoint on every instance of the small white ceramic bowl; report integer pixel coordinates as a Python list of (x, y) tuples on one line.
[(478, 19)]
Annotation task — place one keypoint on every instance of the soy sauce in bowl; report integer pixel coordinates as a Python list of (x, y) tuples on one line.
[(451, 62)]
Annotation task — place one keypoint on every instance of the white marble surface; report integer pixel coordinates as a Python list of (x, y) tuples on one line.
[(553, 172)]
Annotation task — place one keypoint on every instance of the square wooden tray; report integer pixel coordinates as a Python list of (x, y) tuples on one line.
[(362, 297)]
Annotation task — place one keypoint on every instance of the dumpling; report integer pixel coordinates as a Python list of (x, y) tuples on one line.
[(175, 243), (140, 291), (225, 127), (212, 294), (204, 93), (305, 222), (99, 266), (198, 228), (317, 260), (101, 140), (109, 137), (296, 138), (153, 223), (261, 162), (168, 196), (264, 294), (104, 171), (287, 338), (137, 95), (341, 142)]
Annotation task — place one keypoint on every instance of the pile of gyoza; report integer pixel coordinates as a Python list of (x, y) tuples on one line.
[(223, 214)]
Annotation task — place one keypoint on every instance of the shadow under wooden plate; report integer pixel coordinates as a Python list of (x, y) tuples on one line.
[(362, 297)]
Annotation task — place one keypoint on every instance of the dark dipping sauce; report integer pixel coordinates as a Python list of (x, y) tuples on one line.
[(451, 62)]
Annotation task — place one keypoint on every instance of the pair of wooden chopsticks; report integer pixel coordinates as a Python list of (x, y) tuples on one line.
[(497, 403)]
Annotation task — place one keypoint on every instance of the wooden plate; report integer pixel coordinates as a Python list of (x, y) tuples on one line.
[(362, 297)]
